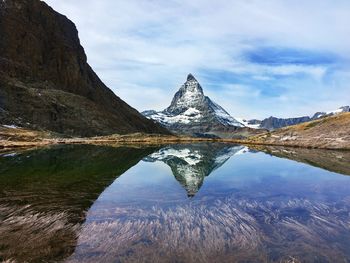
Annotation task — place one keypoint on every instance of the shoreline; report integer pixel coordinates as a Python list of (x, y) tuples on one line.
[(7, 145), (331, 133)]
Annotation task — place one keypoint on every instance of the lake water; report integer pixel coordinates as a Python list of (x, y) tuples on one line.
[(180, 203)]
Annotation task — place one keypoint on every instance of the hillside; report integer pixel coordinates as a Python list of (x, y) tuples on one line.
[(329, 133), (273, 123), (46, 82)]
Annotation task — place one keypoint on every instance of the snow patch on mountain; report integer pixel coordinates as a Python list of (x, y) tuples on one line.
[(246, 123), (224, 117), (189, 116), (331, 113)]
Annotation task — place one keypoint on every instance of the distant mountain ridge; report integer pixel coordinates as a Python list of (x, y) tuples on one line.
[(193, 113), (273, 123), (329, 132), (46, 82)]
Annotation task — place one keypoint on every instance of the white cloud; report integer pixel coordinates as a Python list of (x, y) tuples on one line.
[(143, 49)]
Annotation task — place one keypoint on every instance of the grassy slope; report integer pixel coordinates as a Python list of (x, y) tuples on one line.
[(329, 133)]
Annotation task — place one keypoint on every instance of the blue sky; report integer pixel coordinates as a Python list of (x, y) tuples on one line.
[(255, 58)]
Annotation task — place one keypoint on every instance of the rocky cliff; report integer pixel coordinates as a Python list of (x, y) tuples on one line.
[(46, 82)]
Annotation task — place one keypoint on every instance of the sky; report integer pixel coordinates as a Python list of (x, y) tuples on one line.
[(284, 58)]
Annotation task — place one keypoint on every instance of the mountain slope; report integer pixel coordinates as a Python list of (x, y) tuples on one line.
[(273, 123), (330, 133), (46, 82), (193, 113)]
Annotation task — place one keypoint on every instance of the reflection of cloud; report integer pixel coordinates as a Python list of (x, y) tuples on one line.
[(229, 229), (154, 44)]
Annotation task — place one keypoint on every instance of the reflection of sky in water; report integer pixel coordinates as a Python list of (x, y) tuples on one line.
[(254, 207), (254, 174)]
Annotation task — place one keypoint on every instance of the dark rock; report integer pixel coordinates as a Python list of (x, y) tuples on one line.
[(46, 82), (272, 123)]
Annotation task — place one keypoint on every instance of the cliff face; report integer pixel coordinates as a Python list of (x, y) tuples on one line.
[(46, 82), (273, 123)]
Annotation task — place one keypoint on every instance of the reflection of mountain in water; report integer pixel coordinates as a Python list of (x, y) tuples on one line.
[(44, 196), (190, 164), (268, 212)]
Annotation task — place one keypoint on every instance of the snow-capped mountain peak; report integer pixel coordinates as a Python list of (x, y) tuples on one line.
[(189, 95), (191, 112)]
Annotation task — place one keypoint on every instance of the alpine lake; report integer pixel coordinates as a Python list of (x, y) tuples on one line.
[(205, 202)]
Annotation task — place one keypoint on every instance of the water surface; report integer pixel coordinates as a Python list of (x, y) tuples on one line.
[(179, 203)]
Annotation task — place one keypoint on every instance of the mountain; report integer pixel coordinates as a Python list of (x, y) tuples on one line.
[(273, 123), (331, 132), (190, 164), (193, 113), (46, 82)]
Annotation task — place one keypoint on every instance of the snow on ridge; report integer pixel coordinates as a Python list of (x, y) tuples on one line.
[(190, 115), (333, 112), (246, 123), (340, 110), (224, 117), (191, 111)]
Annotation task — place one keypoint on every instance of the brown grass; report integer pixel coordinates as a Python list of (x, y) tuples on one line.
[(326, 133)]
